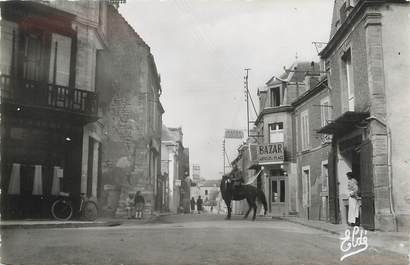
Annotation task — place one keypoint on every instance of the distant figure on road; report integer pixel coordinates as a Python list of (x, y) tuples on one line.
[(130, 205), (199, 204), (139, 205), (193, 205), (353, 188)]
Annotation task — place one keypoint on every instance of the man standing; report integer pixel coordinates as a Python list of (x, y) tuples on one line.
[(192, 204), (199, 204)]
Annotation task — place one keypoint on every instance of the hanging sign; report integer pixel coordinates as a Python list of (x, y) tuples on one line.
[(233, 134), (270, 153)]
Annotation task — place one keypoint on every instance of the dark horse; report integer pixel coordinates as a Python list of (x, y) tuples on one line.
[(248, 192)]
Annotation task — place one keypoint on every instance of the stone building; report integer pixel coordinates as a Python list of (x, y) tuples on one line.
[(312, 110), (367, 59), (129, 93), (49, 106), (275, 146), (174, 167)]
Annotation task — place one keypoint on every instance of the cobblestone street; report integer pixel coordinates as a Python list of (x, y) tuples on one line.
[(184, 239)]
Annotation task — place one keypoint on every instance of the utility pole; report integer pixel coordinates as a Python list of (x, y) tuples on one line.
[(247, 97), (223, 152)]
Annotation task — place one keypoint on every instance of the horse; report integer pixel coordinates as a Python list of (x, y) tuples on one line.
[(248, 192)]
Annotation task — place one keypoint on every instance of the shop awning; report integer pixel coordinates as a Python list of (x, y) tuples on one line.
[(345, 122)]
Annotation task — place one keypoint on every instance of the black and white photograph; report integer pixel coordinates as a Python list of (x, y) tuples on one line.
[(205, 132)]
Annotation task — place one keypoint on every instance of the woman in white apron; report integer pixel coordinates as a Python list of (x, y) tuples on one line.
[(353, 189)]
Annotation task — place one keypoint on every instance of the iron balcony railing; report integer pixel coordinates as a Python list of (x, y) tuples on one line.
[(39, 94)]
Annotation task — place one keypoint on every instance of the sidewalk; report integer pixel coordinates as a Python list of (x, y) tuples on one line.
[(100, 222), (398, 242)]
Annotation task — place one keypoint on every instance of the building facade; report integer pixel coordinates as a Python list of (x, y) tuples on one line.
[(49, 104), (175, 167), (130, 89), (368, 63), (276, 137), (312, 110)]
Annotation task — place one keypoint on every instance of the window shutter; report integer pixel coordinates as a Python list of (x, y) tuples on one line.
[(60, 47)]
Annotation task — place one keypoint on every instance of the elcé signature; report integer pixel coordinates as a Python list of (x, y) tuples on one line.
[(352, 240)]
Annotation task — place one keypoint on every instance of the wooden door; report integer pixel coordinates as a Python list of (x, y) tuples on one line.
[(366, 189), (333, 187)]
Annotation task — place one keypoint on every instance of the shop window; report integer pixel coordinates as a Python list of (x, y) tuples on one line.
[(282, 191), (278, 190), (276, 132), (275, 192)]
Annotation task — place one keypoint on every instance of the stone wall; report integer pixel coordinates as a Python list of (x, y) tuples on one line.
[(125, 89)]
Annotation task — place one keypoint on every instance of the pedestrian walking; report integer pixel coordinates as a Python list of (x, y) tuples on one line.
[(353, 189), (199, 204), (139, 205), (192, 204)]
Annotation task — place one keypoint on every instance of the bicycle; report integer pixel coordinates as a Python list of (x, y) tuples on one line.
[(62, 208)]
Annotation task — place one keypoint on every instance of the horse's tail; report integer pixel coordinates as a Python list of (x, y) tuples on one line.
[(261, 197)]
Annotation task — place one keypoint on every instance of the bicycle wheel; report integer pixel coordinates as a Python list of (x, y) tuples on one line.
[(90, 211), (62, 210)]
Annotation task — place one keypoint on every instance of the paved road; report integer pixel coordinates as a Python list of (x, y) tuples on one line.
[(184, 239)]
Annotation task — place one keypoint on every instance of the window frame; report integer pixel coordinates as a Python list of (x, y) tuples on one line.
[(348, 78), (304, 129), (272, 98), (325, 110), (306, 188), (276, 131)]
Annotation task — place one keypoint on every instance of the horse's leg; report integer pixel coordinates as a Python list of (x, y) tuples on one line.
[(228, 206), (250, 207), (255, 208)]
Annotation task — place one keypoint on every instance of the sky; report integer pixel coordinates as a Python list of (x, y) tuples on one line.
[(201, 48)]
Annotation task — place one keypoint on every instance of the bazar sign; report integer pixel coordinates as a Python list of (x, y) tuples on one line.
[(268, 153), (233, 134)]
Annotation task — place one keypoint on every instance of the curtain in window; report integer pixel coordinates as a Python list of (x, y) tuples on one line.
[(57, 175), (38, 180), (14, 184)]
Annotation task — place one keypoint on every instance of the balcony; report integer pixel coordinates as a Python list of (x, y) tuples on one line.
[(39, 95)]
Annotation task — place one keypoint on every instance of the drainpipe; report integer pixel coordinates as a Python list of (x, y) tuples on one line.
[(389, 167)]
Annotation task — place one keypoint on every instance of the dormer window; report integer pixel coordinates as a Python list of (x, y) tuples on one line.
[(275, 100)]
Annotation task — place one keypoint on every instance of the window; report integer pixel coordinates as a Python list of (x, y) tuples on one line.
[(306, 186), (278, 190), (325, 111), (9, 39), (348, 80), (206, 192), (276, 132), (60, 59), (304, 129), (325, 175), (275, 97)]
